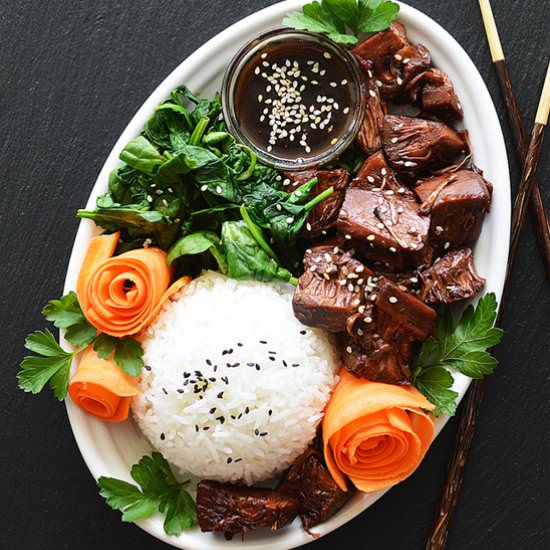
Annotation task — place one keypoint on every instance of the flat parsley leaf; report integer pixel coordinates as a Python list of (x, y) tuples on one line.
[(50, 366), (462, 348), (127, 352), (66, 313), (335, 17), (435, 384), (158, 490)]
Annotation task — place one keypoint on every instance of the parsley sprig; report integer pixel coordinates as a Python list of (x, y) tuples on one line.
[(51, 365), (158, 490), (462, 348), (335, 17)]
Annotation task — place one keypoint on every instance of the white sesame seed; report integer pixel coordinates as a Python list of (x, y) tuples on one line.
[(204, 188), (149, 198), (347, 236), (257, 70), (394, 140), (401, 190), (344, 82), (368, 319), (290, 220), (383, 171), (446, 245), (409, 163), (260, 98), (379, 83), (264, 55), (333, 141), (348, 349), (219, 190), (372, 93), (326, 55), (438, 230), (308, 226), (286, 181), (399, 81), (380, 225), (398, 57), (346, 110), (393, 249), (392, 300)]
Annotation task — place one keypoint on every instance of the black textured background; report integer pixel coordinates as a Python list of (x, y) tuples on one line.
[(72, 74)]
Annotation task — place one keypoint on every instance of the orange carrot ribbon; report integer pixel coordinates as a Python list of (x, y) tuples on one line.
[(376, 434), (121, 295), (101, 388)]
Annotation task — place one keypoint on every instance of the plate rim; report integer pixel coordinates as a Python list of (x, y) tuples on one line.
[(86, 229)]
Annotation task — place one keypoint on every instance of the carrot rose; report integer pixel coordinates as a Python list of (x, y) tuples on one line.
[(376, 434), (101, 389), (121, 295)]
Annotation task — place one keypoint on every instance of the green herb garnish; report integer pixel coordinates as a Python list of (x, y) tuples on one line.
[(335, 17), (52, 363), (462, 348), (66, 313), (158, 490), (127, 352)]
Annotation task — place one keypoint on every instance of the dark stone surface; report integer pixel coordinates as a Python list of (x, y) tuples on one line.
[(72, 75)]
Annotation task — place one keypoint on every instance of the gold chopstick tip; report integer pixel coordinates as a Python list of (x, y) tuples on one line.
[(491, 31), (544, 104)]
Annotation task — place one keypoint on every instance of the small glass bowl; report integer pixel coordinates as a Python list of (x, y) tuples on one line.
[(285, 36)]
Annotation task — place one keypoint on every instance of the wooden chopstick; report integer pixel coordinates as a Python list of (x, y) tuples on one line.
[(542, 225), (466, 429)]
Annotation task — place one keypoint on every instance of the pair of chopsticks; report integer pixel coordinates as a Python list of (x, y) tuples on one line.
[(528, 190)]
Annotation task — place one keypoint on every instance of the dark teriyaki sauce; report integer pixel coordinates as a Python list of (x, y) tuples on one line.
[(294, 100)]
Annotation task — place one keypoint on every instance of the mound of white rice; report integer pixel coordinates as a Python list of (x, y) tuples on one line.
[(235, 386)]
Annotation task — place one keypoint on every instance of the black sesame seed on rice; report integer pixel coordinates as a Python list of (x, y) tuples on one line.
[(229, 460), (148, 367), (212, 410), (162, 436)]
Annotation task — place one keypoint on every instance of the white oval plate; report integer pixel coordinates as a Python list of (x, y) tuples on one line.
[(111, 449)]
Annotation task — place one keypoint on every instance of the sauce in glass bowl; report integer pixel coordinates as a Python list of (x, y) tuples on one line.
[(293, 97)]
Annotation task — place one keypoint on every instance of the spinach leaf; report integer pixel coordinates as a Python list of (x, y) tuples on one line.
[(246, 259), (132, 218), (142, 155), (197, 243), (169, 127), (127, 186)]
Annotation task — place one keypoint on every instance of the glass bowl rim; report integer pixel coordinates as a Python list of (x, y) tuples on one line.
[(239, 61)]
